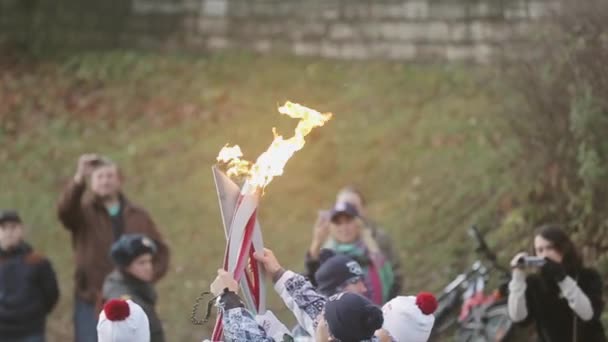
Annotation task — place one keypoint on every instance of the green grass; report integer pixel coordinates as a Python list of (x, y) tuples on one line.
[(420, 141)]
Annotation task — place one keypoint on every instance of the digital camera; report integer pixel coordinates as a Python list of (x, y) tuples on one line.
[(531, 261)]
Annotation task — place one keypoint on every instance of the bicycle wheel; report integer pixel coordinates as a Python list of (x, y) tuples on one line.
[(498, 322), (486, 324)]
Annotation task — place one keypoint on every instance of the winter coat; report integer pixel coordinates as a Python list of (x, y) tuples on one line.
[(28, 292), (93, 232), (120, 285), (551, 306)]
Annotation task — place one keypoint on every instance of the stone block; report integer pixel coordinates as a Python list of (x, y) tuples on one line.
[(486, 10), (401, 51), (371, 30), (430, 52), (416, 9), (459, 31), (212, 25), (267, 9), (306, 30), (460, 53), (355, 10), (353, 50), (218, 42), (447, 10), (214, 8), (330, 50), (330, 13), (483, 53), (516, 10), (239, 9), (437, 31), (542, 8), (262, 46), (302, 48), (342, 31), (380, 10)]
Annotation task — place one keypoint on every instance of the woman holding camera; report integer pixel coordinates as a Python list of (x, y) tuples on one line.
[(563, 299)]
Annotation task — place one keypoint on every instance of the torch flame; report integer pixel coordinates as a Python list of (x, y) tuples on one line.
[(271, 163)]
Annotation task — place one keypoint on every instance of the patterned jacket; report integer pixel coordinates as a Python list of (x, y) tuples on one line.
[(298, 294)]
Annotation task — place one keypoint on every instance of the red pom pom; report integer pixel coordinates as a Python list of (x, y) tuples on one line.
[(426, 302), (116, 310)]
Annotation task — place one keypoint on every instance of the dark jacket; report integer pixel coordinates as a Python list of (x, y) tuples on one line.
[(121, 285), (28, 292), (92, 235), (554, 319)]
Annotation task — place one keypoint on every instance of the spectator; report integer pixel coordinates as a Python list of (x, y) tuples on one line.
[(28, 285), (337, 273), (123, 321), (563, 299), (352, 195), (344, 233), (95, 219), (132, 254)]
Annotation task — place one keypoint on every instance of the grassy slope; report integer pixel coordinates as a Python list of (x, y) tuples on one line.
[(418, 140)]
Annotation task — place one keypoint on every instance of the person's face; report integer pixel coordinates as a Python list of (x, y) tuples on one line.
[(105, 181), (11, 234), (345, 229), (357, 287), (352, 198), (142, 268), (545, 249)]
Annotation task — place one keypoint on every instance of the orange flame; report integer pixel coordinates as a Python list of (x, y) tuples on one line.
[(271, 163)]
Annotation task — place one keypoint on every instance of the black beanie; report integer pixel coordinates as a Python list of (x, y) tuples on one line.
[(9, 216), (352, 318), (335, 271), (129, 247)]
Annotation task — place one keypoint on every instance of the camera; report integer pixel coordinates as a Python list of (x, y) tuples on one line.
[(531, 261)]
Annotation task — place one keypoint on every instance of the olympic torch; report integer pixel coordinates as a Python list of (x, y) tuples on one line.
[(238, 206)]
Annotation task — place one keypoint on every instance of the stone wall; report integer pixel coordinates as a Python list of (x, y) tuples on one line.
[(419, 30)]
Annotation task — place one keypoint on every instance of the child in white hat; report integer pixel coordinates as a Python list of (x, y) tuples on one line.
[(123, 321), (410, 319)]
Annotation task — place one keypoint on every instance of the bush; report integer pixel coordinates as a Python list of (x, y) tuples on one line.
[(561, 123)]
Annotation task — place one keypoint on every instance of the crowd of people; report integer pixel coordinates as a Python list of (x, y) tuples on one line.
[(352, 288)]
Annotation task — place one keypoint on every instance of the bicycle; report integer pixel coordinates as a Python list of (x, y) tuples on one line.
[(464, 304)]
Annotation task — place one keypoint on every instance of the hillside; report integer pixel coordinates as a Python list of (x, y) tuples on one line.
[(422, 142)]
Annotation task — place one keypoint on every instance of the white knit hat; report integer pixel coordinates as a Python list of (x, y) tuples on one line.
[(410, 319), (123, 321)]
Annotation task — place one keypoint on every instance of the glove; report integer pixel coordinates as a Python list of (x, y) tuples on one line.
[(553, 270)]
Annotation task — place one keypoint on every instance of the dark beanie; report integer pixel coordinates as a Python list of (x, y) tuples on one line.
[(335, 271), (352, 318), (129, 247), (9, 216)]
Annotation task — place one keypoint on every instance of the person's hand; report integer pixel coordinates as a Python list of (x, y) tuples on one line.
[(515, 261), (553, 270), (320, 234), (85, 166), (269, 261), (223, 280), (383, 335)]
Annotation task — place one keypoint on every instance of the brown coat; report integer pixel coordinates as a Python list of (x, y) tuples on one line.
[(91, 228)]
